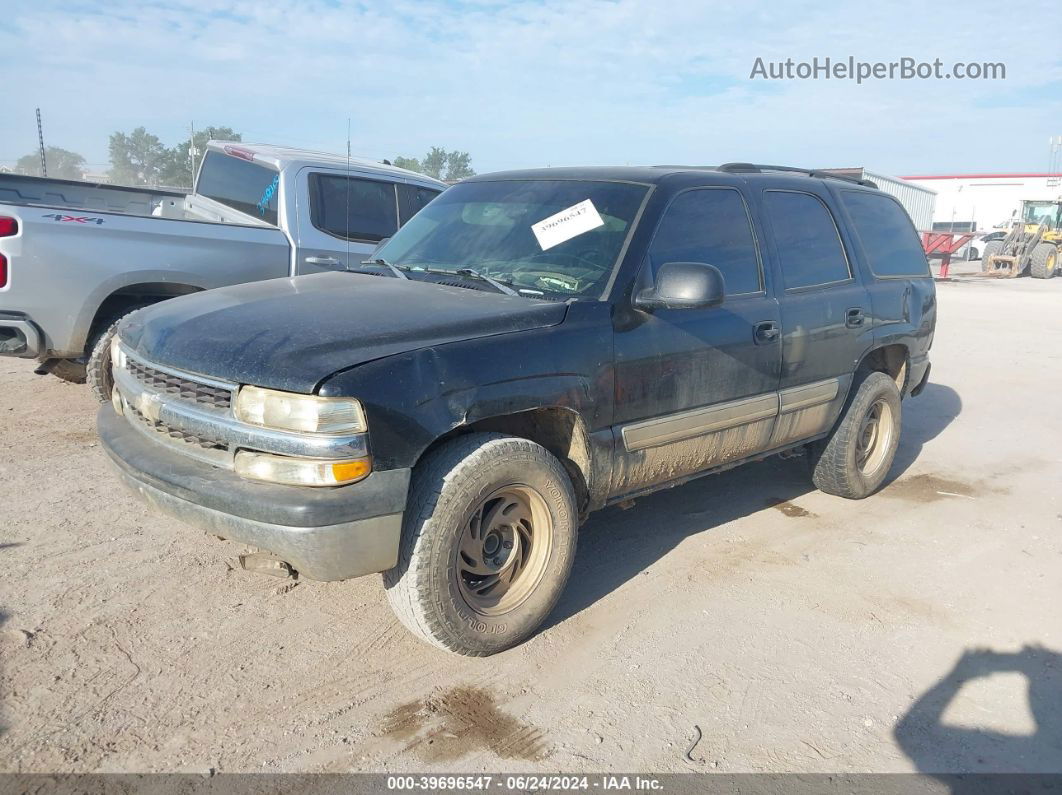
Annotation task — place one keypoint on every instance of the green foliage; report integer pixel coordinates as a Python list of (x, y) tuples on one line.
[(140, 158), (408, 163), (62, 163), (440, 164), (178, 171), (458, 166), (137, 158)]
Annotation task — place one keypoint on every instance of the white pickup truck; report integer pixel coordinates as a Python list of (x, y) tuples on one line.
[(76, 257)]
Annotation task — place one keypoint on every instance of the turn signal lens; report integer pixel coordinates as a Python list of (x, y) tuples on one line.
[(300, 471), (290, 411)]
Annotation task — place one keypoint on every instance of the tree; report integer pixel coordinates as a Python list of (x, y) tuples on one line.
[(408, 163), (62, 163), (177, 171), (137, 158), (458, 166), (434, 162)]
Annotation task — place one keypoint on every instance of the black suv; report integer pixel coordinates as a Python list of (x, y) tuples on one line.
[(530, 347)]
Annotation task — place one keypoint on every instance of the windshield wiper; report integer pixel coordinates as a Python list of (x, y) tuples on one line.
[(501, 288), (395, 269)]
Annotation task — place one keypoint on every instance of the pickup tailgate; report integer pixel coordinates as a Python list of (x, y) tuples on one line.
[(62, 264)]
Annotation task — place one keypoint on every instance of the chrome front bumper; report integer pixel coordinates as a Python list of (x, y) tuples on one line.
[(192, 415)]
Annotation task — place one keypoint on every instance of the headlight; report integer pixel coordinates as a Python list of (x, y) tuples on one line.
[(289, 411), (300, 471), (117, 354)]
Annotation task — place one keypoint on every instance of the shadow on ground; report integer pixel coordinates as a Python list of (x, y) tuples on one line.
[(937, 748), (616, 545)]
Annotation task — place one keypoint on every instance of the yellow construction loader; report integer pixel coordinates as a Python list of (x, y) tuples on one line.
[(1033, 245)]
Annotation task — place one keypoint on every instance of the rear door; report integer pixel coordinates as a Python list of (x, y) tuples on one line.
[(825, 311), (342, 218), (902, 291), (696, 388)]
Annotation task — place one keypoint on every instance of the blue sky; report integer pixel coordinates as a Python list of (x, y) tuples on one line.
[(538, 83)]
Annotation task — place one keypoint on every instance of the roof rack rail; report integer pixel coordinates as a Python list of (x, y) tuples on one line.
[(757, 168)]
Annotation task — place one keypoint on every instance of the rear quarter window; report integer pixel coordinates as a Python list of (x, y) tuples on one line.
[(890, 243), (241, 185)]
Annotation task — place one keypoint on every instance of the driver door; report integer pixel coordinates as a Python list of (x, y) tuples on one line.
[(696, 388)]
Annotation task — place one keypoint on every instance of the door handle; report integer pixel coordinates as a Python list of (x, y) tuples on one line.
[(323, 262), (854, 317), (765, 332)]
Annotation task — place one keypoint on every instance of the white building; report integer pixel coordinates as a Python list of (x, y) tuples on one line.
[(985, 200), (918, 200)]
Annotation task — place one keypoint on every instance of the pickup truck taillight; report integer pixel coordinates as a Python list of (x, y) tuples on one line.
[(8, 227)]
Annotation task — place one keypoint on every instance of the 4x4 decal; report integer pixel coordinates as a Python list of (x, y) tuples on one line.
[(77, 219)]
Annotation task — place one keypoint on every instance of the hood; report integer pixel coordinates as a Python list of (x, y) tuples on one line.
[(291, 334)]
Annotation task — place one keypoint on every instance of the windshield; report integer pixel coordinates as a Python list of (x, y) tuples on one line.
[(1041, 213), (539, 236)]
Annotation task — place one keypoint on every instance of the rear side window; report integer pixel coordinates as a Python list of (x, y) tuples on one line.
[(889, 240), (809, 245), (240, 184), (710, 225), (412, 198), (353, 209)]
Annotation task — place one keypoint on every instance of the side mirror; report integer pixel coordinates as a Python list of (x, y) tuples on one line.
[(683, 285)]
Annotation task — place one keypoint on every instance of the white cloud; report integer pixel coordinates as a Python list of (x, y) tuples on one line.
[(521, 84)]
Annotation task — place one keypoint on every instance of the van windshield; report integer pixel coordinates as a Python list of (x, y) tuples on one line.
[(548, 236)]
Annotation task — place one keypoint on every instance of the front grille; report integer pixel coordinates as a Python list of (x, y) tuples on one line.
[(179, 386), (176, 434)]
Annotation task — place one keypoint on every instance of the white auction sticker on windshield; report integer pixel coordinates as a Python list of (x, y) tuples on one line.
[(566, 224)]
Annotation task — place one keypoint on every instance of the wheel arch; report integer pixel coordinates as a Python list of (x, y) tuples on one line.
[(893, 359), (559, 429), (130, 295)]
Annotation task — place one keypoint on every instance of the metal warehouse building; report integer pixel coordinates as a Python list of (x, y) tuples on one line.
[(985, 200), (919, 200)]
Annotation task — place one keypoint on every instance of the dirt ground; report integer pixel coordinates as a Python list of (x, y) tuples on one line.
[(918, 629)]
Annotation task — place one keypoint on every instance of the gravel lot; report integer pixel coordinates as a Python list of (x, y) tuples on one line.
[(797, 631)]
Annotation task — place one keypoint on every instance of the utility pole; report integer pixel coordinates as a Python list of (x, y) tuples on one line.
[(192, 151), (1054, 160), (40, 138)]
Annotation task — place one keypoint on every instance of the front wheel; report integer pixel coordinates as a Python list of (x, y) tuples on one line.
[(1043, 262), (487, 544), (854, 459)]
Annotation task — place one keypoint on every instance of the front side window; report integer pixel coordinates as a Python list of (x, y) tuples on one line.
[(555, 237), (353, 209), (245, 186), (412, 199), (889, 240), (809, 245), (710, 225)]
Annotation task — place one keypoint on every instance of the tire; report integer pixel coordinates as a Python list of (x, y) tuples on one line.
[(992, 247), (1044, 262), (98, 370), (68, 370), (848, 463), (437, 589)]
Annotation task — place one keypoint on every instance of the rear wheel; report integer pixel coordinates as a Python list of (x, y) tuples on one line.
[(854, 460), (68, 370), (487, 544), (992, 247), (1044, 262)]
